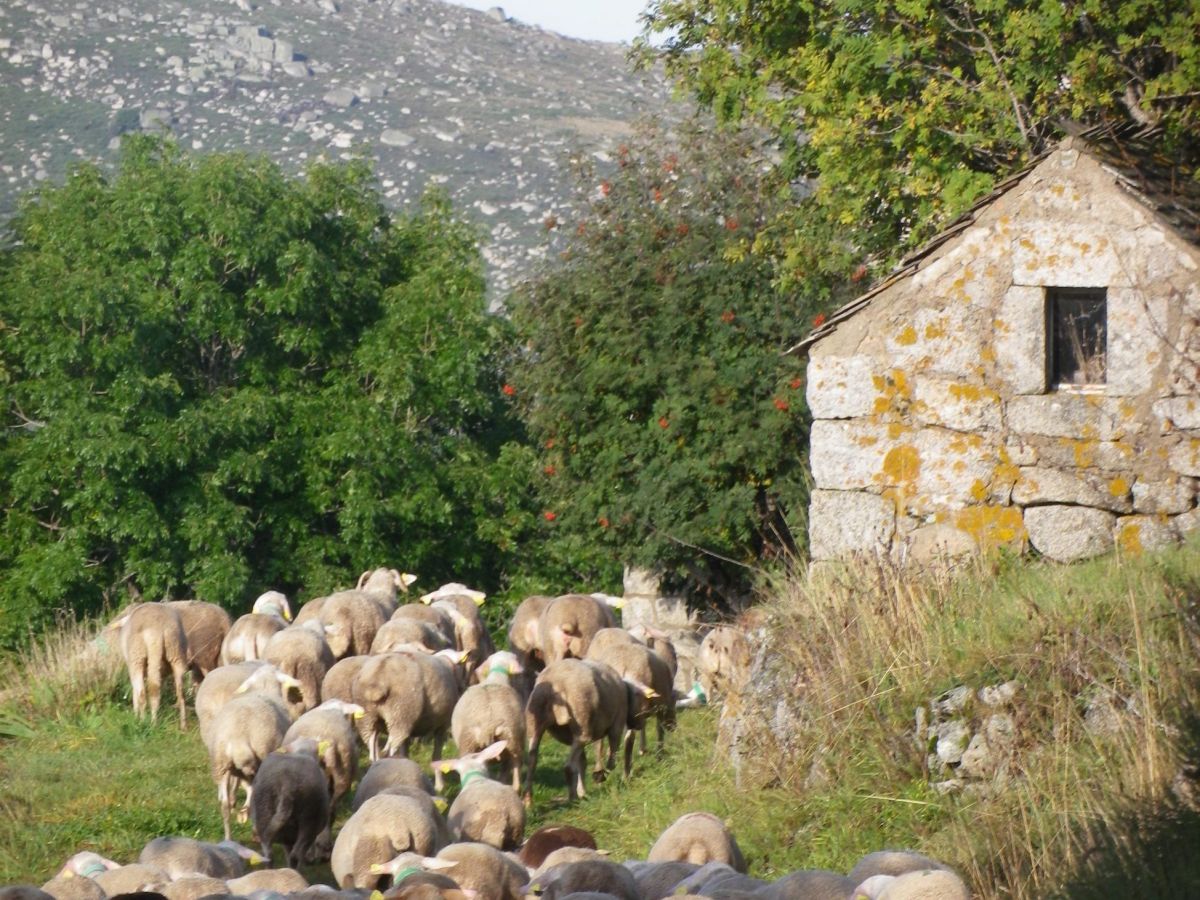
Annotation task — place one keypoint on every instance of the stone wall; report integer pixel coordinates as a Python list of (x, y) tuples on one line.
[(935, 430)]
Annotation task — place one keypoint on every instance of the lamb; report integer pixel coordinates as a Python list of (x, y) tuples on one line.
[(301, 651), (383, 827), (579, 703), (549, 838), (387, 773), (484, 869), (492, 711), (246, 729), (153, 640), (590, 876), (568, 623), (891, 862), (643, 668), (223, 683), (179, 856), (329, 725), (291, 804), (723, 661), (193, 887), (697, 837), (276, 881), (248, 637), (204, 627), (484, 810)]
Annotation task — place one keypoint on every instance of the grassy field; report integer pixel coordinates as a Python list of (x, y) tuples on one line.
[(1080, 815)]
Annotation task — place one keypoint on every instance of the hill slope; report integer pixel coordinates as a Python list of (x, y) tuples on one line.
[(433, 93)]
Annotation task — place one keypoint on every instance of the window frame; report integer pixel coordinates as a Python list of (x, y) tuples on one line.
[(1053, 295)]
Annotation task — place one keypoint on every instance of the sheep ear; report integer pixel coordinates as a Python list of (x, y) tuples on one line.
[(492, 750), (432, 862), (362, 579), (407, 579)]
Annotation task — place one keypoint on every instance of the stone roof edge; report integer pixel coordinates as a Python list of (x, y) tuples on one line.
[(911, 263)]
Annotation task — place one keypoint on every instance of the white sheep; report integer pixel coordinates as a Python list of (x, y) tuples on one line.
[(484, 810), (153, 642), (382, 828), (493, 711)]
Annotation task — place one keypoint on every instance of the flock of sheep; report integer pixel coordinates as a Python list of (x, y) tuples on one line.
[(284, 708)]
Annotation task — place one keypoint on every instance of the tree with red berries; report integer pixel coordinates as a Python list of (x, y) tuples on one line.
[(670, 424)]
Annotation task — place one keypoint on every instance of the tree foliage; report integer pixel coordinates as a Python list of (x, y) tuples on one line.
[(217, 380), (906, 112), (668, 421)]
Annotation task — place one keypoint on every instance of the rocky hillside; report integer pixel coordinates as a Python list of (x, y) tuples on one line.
[(432, 93)]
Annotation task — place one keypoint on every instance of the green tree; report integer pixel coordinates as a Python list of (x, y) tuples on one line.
[(905, 112), (217, 379), (668, 422)]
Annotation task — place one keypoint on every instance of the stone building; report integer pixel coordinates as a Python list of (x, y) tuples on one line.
[(1029, 378)]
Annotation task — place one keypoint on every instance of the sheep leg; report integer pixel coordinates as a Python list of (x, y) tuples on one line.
[(137, 679), (243, 815), (535, 740), (226, 788), (660, 728), (642, 739), (628, 765), (515, 763), (180, 701), (154, 689), (576, 761), (599, 772)]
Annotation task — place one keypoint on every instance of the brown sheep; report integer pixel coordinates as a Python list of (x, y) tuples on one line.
[(484, 869), (387, 773), (351, 619), (205, 626), (578, 702), (153, 641)]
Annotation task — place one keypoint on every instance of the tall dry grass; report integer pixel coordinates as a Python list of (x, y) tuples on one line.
[(72, 666), (859, 648)]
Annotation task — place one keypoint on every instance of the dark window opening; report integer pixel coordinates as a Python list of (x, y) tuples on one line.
[(1076, 336)]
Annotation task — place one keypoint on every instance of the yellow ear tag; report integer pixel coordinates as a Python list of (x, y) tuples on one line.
[(359, 714), (376, 869), (323, 747), (462, 657), (479, 600), (446, 770), (67, 873), (440, 804), (255, 859)]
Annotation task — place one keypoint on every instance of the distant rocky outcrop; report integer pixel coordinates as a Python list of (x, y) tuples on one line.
[(432, 94)]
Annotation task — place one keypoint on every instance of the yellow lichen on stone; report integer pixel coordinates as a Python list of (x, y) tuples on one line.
[(907, 336), (1084, 450), (1118, 487), (1129, 538), (979, 490), (933, 331), (991, 526), (902, 464)]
